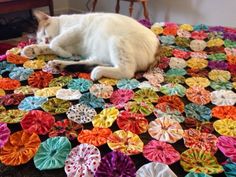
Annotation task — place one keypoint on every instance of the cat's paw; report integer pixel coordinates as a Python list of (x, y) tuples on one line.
[(97, 73), (29, 51), (59, 65)]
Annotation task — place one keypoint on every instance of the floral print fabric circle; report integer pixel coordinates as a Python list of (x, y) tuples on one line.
[(170, 103), (125, 141), (20, 148), (133, 122), (11, 99), (198, 95), (101, 90), (198, 112), (146, 95), (144, 108), (224, 112), (200, 161), (121, 96), (20, 73), (197, 140), (165, 129), (162, 152), (38, 122), (66, 128), (9, 84)]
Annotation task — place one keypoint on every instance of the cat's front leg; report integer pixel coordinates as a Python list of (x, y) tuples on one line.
[(60, 51), (31, 51), (112, 72), (60, 64)]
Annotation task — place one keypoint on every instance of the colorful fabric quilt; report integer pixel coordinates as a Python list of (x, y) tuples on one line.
[(177, 119)]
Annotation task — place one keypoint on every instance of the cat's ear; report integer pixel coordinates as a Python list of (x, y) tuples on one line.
[(40, 16)]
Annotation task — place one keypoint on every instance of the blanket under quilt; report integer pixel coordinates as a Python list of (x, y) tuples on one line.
[(176, 119)]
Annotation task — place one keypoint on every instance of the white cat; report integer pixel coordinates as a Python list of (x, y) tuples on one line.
[(117, 45)]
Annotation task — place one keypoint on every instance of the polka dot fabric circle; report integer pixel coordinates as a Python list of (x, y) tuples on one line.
[(83, 160), (81, 113)]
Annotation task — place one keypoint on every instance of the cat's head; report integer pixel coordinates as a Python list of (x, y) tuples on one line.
[(48, 27)]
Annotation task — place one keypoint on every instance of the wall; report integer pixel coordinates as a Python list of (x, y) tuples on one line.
[(76, 5), (60, 6), (67, 6), (211, 12)]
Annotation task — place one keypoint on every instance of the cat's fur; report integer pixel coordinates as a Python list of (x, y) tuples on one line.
[(117, 44)]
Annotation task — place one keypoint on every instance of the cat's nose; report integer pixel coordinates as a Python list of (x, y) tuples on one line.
[(46, 40)]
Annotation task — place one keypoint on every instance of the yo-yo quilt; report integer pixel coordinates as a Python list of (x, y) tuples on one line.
[(177, 119)]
